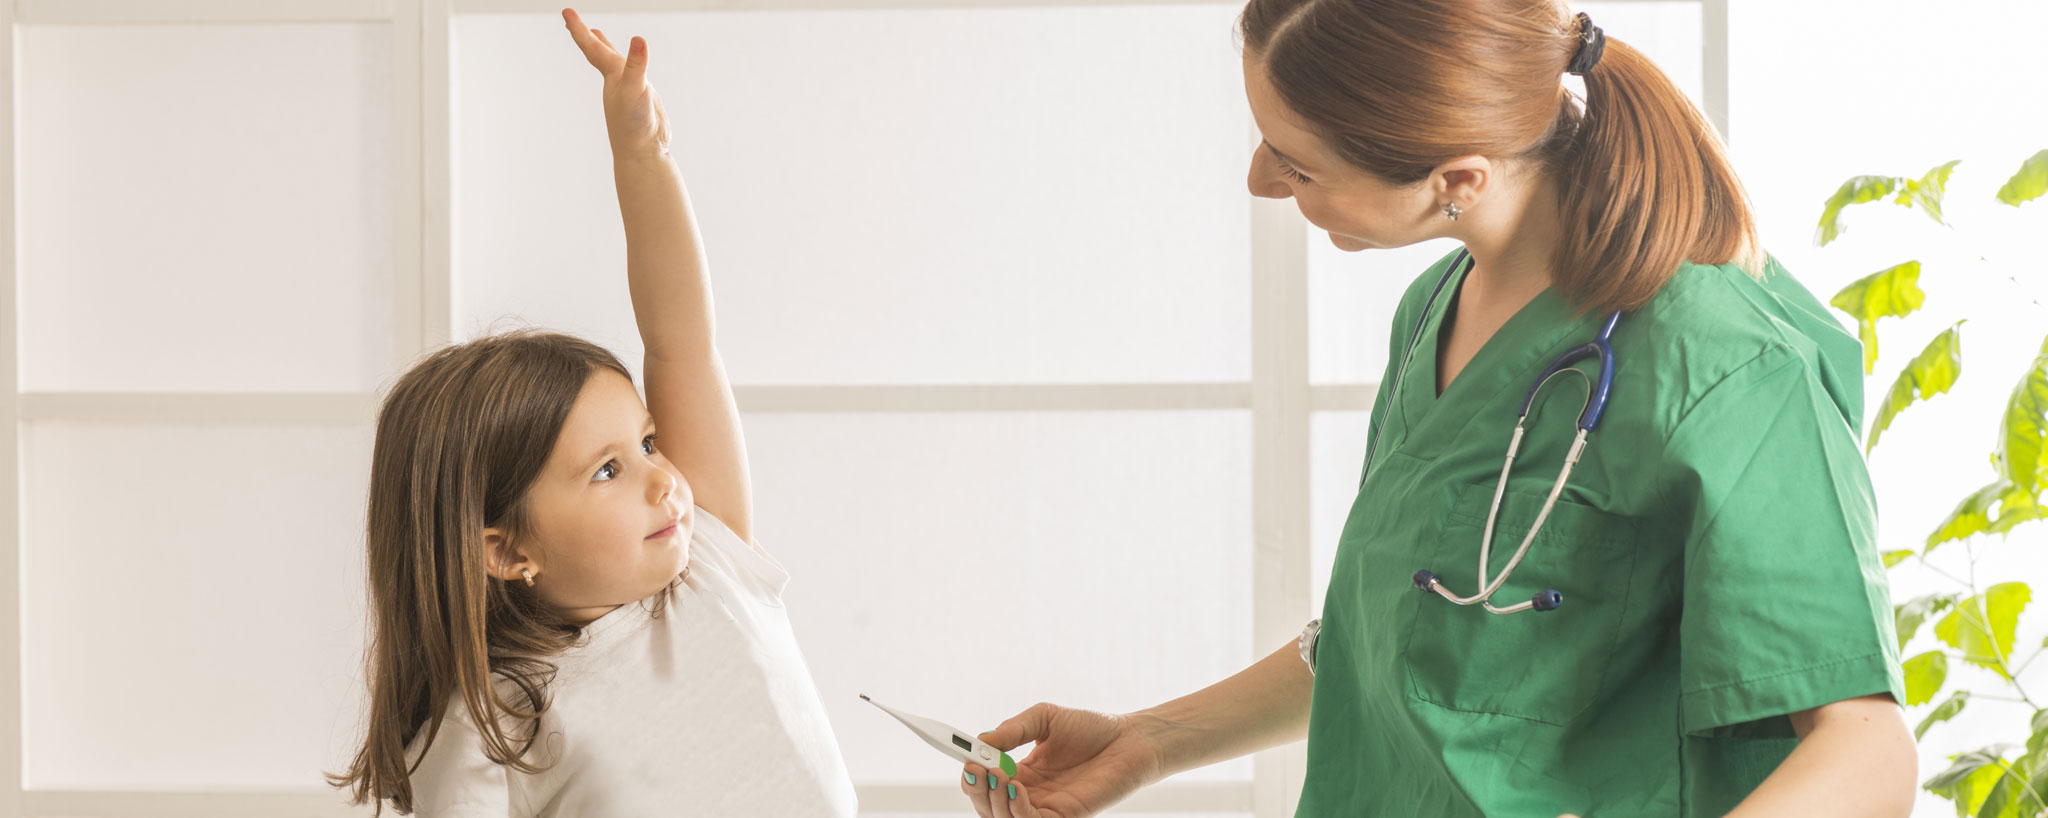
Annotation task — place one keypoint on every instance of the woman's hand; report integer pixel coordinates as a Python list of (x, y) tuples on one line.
[(1084, 762), (633, 116)]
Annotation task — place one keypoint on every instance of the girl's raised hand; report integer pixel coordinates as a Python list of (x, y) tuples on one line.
[(633, 115)]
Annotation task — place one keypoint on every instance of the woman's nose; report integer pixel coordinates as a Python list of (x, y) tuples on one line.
[(1263, 180)]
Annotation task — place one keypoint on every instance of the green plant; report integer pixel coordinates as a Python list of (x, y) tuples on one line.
[(1977, 624)]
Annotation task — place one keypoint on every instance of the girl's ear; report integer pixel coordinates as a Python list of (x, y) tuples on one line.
[(503, 561)]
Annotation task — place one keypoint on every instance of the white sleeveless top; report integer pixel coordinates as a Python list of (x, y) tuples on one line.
[(707, 710)]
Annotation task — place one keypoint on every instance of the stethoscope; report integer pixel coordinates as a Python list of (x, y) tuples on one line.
[(1596, 405)]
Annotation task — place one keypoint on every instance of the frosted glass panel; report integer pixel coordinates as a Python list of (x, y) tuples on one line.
[(193, 611), (893, 196), (206, 207), (1671, 34), (1352, 296), (1338, 440), (967, 566), (1351, 304)]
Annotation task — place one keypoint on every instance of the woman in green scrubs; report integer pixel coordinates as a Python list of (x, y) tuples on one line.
[(1725, 643)]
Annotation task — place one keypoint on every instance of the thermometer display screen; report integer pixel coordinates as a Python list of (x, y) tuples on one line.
[(964, 745)]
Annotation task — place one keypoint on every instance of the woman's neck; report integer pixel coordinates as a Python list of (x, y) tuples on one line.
[(1513, 240)]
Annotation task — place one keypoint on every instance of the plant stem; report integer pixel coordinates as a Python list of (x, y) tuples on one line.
[(2029, 661), (1958, 580)]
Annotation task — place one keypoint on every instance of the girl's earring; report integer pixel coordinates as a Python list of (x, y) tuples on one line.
[(1452, 211), (528, 573)]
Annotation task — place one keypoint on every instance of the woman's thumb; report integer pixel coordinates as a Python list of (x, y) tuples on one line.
[(1024, 728)]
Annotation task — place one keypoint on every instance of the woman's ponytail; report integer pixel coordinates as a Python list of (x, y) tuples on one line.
[(1645, 185)]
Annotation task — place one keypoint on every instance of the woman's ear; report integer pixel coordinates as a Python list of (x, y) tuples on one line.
[(1463, 181), (505, 562)]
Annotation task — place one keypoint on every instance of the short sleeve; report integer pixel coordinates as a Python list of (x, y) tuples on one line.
[(456, 779), (1785, 602)]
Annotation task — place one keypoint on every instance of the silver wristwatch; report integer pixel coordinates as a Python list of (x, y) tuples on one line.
[(1308, 643)]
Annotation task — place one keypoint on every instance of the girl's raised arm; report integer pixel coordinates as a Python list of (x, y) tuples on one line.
[(687, 392)]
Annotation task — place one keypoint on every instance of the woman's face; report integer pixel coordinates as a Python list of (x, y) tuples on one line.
[(597, 505), (1357, 209)]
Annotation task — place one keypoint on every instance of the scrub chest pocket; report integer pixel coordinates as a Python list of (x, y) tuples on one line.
[(1544, 666)]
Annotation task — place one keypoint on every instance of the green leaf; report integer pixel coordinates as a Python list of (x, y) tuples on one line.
[(1969, 779), (1982, 626), (1915, 611), (2036, 790), (1893, 558), (1974, 515), (2017, 507), (2039, 740), (1924, 676), (2027, 184), (1855, 191), (1893, 292), (1931, 373), (2023, 433), (1942, 712), (1927, 191), (2005, 799)]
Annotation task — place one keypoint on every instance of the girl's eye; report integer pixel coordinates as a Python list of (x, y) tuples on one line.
[(612, 466)]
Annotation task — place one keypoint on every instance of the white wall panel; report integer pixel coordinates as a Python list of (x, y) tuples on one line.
[(950, 196), (205, 207)]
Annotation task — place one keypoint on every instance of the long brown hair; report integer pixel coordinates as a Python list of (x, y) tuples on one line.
[(460, 439), (1397, 87)]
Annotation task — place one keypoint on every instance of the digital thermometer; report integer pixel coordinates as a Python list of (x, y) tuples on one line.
[(952, 742)]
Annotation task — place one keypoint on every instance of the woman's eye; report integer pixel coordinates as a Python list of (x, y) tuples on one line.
[(1294, 174)]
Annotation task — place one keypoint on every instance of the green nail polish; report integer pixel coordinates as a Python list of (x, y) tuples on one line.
[(1013, 792), (970, 778), (991, 783)]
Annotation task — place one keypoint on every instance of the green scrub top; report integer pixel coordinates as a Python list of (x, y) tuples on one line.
[(1715, 547)]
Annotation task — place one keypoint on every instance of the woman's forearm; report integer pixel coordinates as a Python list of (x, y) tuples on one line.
[(666, 269), (1856, 761), (1262, 706)]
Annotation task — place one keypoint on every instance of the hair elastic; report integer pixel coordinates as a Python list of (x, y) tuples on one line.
[(1592, 41)]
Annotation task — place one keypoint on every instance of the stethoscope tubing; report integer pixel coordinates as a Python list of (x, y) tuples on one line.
[(1597, 393)]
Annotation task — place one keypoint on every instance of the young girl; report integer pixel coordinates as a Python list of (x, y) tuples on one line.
[(564, 623)]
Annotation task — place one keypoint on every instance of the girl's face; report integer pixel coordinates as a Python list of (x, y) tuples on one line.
[(1357, 209), (610, 517)]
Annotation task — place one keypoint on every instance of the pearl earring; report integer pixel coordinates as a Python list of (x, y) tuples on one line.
[(528, 573)]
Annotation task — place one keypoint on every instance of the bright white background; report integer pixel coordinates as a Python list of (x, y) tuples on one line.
[(986, 284)]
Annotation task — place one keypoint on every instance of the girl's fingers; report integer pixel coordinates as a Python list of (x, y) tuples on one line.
[(600, 54), (636, 64)]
